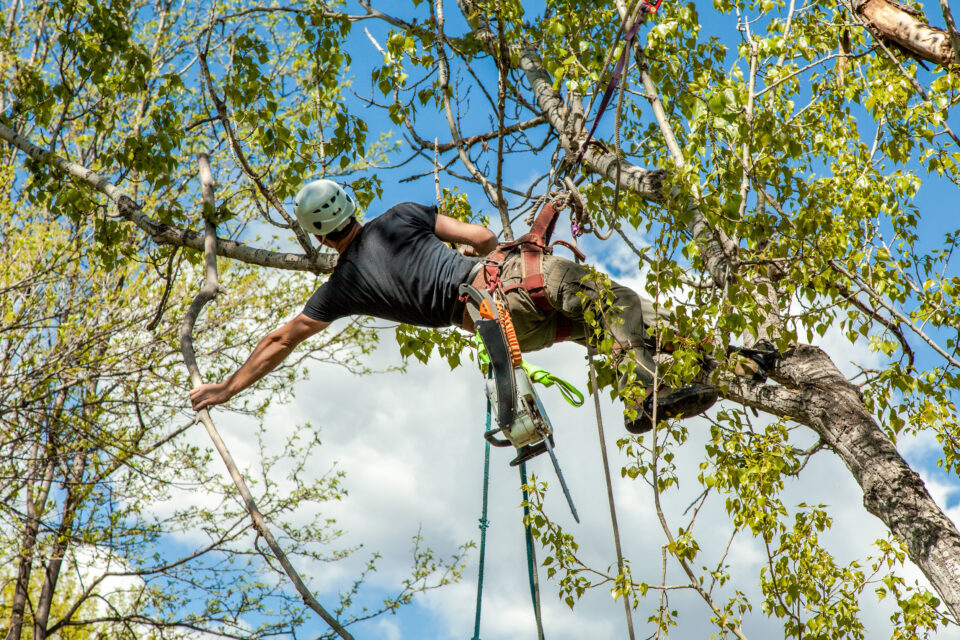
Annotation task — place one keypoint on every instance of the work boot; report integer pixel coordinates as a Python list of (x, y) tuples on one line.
[(672, 403), (754, 362)]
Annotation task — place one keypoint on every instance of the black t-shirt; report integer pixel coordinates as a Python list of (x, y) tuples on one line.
[(396, 269)]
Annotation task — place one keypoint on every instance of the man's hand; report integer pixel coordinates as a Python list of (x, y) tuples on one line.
[(207, 395)]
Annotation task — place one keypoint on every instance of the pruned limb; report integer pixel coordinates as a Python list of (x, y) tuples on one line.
[(909, 77), (207, 293), (906, 30), (165, 233)]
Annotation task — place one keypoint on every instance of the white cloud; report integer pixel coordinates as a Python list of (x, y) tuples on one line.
[(412, 448)]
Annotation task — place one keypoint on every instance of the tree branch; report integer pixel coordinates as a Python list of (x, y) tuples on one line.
[(907, 31), (445, 92), (165, 233), (241, 158), (207, 293)]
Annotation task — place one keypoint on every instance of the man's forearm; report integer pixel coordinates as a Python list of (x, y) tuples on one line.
[(266, 357), (486, 246)]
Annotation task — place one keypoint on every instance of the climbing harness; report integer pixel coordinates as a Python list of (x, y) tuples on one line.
[(532, 247)]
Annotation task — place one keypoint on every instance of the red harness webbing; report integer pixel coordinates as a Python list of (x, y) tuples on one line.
[(532, 247)]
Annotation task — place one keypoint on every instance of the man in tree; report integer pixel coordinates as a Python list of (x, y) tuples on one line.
[(397, 267)]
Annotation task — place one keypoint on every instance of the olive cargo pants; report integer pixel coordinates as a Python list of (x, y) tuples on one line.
[(629, 314)]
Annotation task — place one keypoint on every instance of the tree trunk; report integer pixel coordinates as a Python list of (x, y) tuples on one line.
[(817, 394), (52, 570), (29, 540)]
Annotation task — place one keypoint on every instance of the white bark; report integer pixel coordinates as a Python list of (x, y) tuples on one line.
[(164, 233), (905, 29), (814, 393)]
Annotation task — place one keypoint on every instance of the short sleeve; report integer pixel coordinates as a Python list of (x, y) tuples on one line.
[(420, 216), (319, 306)]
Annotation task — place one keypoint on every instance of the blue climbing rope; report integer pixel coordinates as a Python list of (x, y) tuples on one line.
[(531, 554), (484, 523)]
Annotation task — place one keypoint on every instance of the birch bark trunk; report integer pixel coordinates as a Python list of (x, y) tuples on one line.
[(906, 30), (815, 393)]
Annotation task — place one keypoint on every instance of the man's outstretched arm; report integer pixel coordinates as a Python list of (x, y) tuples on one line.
[(269, 353), (479, 237)]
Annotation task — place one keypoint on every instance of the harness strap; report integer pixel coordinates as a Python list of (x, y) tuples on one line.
[(576, 252), (533, 280), (532, 247)]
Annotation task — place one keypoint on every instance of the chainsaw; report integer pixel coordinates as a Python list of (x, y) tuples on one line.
[(522, 421)]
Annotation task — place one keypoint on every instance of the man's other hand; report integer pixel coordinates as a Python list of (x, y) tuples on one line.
[(207, 395)]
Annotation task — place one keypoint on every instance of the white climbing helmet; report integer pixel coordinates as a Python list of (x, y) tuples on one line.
[(322, 206)]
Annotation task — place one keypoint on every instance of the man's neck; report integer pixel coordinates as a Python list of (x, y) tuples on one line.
[(341, 245)]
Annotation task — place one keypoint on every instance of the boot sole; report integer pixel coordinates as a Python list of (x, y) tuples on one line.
[(689, 401)]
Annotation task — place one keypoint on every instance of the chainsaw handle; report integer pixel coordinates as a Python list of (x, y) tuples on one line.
[(491, 437)]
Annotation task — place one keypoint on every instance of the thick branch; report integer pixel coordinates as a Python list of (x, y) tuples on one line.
[(647, 183), (207, 293), (165, 233), (818, 395)]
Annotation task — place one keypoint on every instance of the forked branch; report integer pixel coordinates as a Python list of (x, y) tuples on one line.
[(207, 293)]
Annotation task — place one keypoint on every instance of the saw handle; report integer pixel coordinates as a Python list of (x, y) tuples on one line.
[(491, 437)]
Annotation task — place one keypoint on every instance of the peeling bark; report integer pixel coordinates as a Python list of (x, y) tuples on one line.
[(890, 22)]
